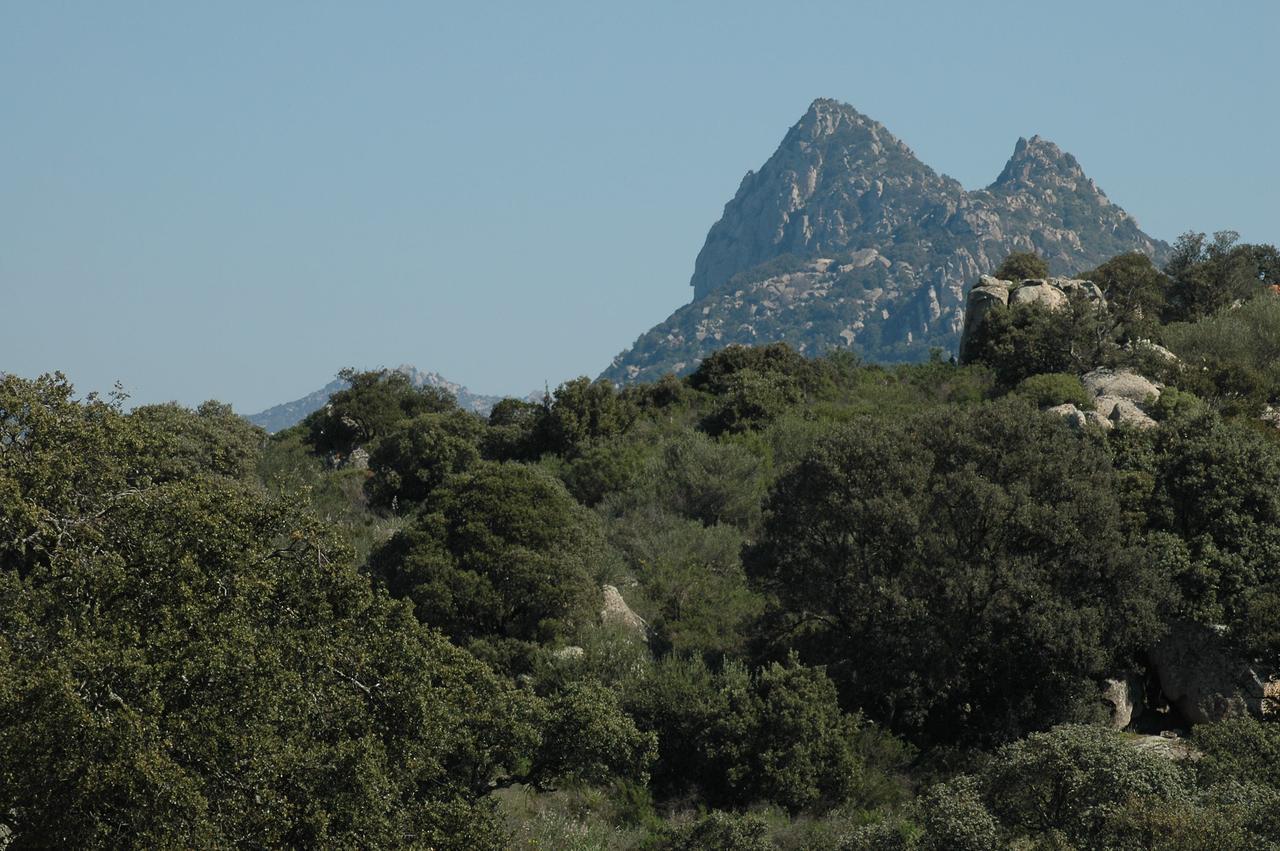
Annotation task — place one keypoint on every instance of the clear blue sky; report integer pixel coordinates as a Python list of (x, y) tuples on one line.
[(233, 200)]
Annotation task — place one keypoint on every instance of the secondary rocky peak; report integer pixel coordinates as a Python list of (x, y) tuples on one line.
[(1037, 163)]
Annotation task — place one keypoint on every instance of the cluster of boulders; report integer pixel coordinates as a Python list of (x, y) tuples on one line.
[(1119, 398)]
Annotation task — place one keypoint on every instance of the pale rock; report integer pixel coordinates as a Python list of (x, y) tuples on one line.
[(1042, 294), (1123, 383), (1124, 697), (616, 611), (1121, 411), (1079, 419)]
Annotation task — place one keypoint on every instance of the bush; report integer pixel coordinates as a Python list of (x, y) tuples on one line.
[(1022, 265), (1056, 388)]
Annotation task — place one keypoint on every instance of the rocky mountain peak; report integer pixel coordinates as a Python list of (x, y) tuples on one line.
[(836, 174), (844, 239), (1038, 163)]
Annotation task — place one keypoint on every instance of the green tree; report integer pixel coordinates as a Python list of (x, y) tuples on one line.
[(990, 531), (194, 664), (1208, 275), (1021, 266), (589, 739), (371, 406), (1135, 291), (1026, 340), (505, 552), (581, 411), (419, 454)]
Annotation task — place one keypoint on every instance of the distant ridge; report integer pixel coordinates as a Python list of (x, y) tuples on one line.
[(288, 414), (844, 239)]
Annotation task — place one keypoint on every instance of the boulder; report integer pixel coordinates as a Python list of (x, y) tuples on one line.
[(1124, 698), (1206, 683), (1123, 383), (1043, 294), (981, 300), (1079, 419), (1121, 411), (1072, 286), (616, 611)]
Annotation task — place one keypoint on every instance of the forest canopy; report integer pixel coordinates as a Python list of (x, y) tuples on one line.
[(783, 602)]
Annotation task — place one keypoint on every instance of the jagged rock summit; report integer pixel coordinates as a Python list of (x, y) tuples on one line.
[(845, 239)]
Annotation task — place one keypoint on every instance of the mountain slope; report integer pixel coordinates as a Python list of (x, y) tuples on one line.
[(280, 417), (845, 239)]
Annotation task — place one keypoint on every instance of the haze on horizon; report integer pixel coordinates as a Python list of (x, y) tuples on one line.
[(234, 202)]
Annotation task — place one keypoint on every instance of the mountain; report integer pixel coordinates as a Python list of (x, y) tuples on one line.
[(845, 240), (280, 417)]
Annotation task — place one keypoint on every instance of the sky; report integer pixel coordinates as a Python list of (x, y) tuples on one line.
[(235, 200)]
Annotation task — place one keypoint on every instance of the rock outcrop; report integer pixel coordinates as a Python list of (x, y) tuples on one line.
[(1124, 698), (616, 611), (1205, 682), (1121, 384), (844, 239)]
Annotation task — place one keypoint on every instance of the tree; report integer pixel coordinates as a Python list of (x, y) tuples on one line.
[(1021, 266), (583, 410), (371, 406), (419, 454), (1214, 499), (505, 552), (1208, 275), (195, 664), (1135, 291), (948, 567)]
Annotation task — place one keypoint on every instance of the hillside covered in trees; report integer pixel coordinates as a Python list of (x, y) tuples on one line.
[(778, 603)]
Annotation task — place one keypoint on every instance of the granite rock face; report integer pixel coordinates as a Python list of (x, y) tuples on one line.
[(1201, 677), (844, 239)]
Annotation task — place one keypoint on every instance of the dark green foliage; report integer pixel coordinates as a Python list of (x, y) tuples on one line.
[(1071, 779), (1214, 492), (1026, 340), (581, 411), (588, 739), (1054, 388), (504, 552), (1239, 749), (782, 738), (1208, 275), (417, 455), (192, 663), (211, 439), (752, 400), (373, 404), (777, 736), (716, 374), (992, 532), (1088, 787), (513, 431), (1233, 357), (1134, 289), (1022, 265)]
